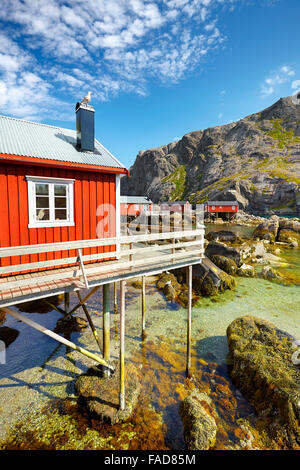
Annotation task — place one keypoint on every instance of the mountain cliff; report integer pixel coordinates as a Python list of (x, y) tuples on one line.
[(255, 161)]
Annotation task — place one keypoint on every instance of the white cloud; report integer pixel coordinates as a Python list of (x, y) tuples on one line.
[(108, 47), (275, 79), (296, 84)]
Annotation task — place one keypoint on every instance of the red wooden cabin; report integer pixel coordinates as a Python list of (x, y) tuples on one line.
[(221, 206), (177, 206), (135, 205), (57, 185)]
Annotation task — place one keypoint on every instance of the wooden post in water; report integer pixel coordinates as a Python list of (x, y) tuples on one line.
[(106, 322), (189, 319), (143, 307), (115, 299), (122, 346), (67, 302)]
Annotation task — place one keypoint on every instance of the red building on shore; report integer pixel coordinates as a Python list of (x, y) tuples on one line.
[(57, 185)]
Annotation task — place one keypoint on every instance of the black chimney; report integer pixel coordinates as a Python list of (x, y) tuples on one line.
[(85, 126)]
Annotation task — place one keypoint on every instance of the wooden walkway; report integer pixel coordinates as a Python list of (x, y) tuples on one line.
[(139, 259)]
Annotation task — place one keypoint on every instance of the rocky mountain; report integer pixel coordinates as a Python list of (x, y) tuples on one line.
[(255, 161)]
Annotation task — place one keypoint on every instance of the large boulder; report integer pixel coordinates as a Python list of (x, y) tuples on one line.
[(224, 263), (267, 230), (288, 236), (261, 365), (237, 253), (289, 224), (208, 279), (199, 427)]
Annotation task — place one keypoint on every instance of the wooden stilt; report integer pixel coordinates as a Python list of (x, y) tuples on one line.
[(84, 299), (55, 336), (143, 307), (90, 322), (122, 346), (189, 320), (106, 322), (115, 299), (67, 302), (55, 307)]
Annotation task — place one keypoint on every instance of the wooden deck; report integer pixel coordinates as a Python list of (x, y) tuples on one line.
[(180, 249)]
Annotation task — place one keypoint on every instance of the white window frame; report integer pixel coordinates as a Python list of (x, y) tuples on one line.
[(33, 223)]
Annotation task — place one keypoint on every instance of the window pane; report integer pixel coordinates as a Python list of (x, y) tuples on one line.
[(42, 214), (60, 214), (60, 202), (41, 202), (41, 189), (60, 190)]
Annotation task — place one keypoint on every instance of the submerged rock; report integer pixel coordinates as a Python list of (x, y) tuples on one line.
[(261, 366), (100, 396), (199, 427), (8, 335), (69, 324), (39, 306)]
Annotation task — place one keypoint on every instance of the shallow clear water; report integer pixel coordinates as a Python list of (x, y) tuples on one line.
[(39, 373)]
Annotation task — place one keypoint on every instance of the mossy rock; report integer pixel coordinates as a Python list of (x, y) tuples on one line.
[(288, 236), (261, 366), (199, 427), (224, 263), (100, 396), (246, 270)]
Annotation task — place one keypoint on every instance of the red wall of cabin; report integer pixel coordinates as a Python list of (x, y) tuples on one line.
[(222, 209), (90, 190)]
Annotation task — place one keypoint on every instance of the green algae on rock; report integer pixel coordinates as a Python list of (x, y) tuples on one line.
[(199, 427), (261, 366)]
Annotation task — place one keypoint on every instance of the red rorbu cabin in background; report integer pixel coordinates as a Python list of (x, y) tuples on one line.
[(57, 185), (135, 205), (221, 206), (176, 206)]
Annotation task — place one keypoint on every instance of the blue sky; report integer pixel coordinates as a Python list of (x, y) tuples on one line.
[(157, 69)]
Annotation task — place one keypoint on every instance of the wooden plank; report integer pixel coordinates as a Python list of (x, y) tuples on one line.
[(116, 265)]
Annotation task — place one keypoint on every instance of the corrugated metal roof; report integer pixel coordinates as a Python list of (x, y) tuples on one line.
[(222, 203), (135, 200), (31, 139)]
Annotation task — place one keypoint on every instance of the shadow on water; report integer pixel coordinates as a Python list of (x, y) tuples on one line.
[(212, 349)]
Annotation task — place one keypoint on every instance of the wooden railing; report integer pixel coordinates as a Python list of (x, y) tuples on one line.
[(138, 255)]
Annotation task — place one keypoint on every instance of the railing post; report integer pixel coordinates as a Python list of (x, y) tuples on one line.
[(122, 346)]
